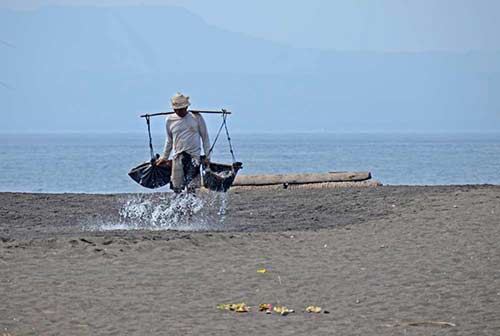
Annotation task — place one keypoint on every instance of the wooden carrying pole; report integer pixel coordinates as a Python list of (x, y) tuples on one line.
[(223, 111)]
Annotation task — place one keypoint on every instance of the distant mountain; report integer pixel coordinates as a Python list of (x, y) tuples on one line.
[(83, 68)]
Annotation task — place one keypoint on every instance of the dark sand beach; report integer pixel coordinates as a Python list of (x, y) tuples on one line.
[(376, 258)]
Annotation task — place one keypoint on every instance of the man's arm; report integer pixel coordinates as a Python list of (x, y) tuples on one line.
[(204, 136), (168, 142)]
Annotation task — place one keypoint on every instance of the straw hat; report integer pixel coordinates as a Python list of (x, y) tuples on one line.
[(179, 101)]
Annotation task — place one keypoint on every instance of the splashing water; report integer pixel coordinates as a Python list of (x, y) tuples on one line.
[(222, 209), (167, 211)]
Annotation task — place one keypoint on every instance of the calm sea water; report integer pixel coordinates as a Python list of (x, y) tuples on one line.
[(98, 163)]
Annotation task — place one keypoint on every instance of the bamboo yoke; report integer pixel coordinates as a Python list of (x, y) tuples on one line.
[(222, 111)]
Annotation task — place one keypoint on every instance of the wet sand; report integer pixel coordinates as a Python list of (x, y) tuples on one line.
[(375, 258)]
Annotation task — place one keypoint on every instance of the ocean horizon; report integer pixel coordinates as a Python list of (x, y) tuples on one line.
[(94, 162)]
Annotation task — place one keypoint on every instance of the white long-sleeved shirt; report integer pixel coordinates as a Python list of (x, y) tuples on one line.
[(183, 135)]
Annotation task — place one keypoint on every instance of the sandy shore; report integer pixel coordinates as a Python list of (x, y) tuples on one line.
[(375, 258)]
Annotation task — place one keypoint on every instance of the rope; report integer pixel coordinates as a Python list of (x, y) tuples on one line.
[(223, 125), (216, 137), (150, 139), (228, 138)]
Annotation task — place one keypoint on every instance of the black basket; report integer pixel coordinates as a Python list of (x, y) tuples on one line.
[(219, 176), (151, 175)]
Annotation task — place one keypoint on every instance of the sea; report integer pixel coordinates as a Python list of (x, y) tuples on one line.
[(99, 163)]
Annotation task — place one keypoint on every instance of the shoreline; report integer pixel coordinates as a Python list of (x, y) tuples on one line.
[(147, 192)]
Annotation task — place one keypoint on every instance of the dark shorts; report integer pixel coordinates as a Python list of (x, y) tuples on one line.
[(185, 172)]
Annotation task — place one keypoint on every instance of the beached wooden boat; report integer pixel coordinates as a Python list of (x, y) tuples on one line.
[(293, 179)]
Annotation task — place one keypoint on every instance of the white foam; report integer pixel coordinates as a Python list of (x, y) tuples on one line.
[(182, 212)]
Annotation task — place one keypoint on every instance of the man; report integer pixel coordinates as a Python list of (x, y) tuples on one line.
[(184, 130)]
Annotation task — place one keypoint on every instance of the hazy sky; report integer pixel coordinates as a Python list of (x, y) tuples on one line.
[(68, 68), (369, 25)]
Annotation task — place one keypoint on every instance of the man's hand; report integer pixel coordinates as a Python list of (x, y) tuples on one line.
[(161, 161), (206, 161)]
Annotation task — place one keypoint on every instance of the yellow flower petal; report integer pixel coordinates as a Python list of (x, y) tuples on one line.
[(241, 309), (282, 310), (313, 309)]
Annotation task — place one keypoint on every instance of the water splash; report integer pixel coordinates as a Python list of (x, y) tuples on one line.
[(168, 211), (223, 208)]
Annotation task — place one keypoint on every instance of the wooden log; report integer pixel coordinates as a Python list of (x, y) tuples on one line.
[(324, 185), (259, 180)]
